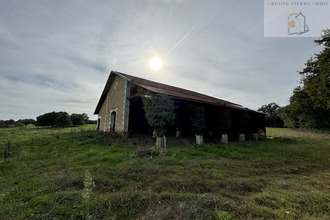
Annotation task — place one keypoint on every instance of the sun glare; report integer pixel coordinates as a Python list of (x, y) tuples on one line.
[(156, 63)]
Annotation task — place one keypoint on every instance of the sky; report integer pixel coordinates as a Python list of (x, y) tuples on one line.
[(57, 55)]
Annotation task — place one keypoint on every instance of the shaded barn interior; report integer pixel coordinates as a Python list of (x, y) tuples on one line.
[(218, 120)]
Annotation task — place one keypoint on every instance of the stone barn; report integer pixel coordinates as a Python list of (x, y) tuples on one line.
[(120, 109)]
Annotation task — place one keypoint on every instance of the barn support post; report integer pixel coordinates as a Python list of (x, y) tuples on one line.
[(261, 134), (199, 139), (224, 138), (177, 134), (161, 142), (154, 134)]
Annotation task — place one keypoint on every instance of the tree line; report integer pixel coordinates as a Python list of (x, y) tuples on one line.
[(63, 119), (309, 105), (50, 119), (19, 123)]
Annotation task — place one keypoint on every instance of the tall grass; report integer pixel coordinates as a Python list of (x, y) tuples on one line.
[(312, 145), (78, 173)]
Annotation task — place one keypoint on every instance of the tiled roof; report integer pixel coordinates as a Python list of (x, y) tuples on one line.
[(165, 89), (177, 92)]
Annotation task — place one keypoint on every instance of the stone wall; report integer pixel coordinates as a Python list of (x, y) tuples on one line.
[(116, 101)]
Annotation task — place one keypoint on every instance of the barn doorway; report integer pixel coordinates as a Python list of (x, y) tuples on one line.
[(113, 121), (98, 124)]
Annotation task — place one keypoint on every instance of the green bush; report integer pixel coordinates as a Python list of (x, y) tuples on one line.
[(159, 111)]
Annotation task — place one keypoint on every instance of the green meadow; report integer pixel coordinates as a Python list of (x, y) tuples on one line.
[(78, 173)]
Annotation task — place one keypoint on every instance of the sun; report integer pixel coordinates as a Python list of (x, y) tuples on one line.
[(156, 63)]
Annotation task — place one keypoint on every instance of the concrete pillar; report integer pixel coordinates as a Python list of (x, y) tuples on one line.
[(161, 142), (154, 134), (261, 134), (165, 143), (241, 137), (178, 134), (224, 138), (199, 139)]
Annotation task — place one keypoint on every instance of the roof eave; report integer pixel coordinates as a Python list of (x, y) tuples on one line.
[(220, 104)]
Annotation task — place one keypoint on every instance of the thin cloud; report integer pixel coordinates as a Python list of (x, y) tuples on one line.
[(58, 55), (177, 44)]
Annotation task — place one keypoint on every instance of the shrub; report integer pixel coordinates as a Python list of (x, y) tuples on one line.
[(159, 110)]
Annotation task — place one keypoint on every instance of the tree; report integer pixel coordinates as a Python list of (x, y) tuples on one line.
[(299, 113), (7, 124), (77, 119), (310, 103), (159, 111), (27, 121), (19, 124), (58, 119), (197, 120), (272, 117), (63, 120), (47, 119), (286, 114), (85, 118)]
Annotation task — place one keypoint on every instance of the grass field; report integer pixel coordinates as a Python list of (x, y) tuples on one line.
[(78, 173)]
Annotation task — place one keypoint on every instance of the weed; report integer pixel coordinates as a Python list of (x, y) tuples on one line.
[(87, 191), (88, 186)]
